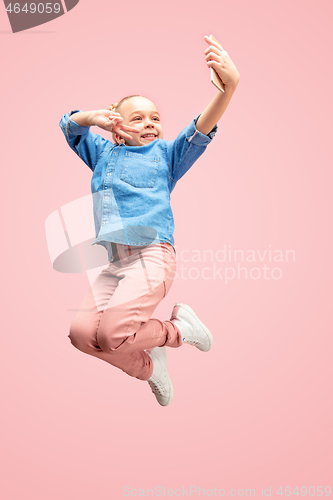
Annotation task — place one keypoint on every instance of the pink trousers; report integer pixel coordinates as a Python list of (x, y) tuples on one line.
[(114, 321)]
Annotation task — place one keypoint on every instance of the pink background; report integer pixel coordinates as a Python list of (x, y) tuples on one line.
[(256, 410)]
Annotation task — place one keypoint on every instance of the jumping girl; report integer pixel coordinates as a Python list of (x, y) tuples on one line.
[(131, 185)]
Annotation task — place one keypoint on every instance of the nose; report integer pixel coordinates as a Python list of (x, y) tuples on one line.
[(149, 123)]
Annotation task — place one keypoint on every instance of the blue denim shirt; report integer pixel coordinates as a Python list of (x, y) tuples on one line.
[(131, 185)]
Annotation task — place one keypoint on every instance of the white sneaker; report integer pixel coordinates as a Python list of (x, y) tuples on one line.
[(192, 330), (159, 381)]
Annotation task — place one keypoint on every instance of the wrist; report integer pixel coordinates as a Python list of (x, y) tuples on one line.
[(91, 119), (83, 118), (232, 86)]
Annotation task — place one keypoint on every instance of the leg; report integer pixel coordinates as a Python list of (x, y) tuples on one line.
[(84, 326), (125, 328), (117, 330)]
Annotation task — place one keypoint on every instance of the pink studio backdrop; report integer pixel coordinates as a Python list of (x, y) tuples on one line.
[(254, 412)]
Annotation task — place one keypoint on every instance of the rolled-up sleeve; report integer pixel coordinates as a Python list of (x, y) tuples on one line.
[(82, 141), (186, 149)]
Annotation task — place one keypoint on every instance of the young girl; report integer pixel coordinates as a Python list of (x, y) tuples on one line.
[(131, 185)]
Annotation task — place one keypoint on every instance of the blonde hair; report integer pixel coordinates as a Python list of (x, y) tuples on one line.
[(116, 105)]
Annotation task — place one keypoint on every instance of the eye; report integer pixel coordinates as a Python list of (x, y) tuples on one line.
[(156, 118), (137, 118)]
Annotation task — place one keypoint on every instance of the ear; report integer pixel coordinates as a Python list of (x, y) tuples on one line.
[(117, 138)]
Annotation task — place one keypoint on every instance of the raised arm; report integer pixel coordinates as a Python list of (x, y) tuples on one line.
[(218, 59), (87, 145), (105, 119)]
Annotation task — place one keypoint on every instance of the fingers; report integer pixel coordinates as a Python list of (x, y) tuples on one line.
[(125, 136), (114, 124), (213, 65), (115, 118), (118, 131), (213, 50), (213, 42), (116, 121), (213, 57), (111, 122), (130, 129)]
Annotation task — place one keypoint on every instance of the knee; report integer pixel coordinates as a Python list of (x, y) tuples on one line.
[(75, 338), (80, 336), (109, 334), (106, 341), (110, 340)]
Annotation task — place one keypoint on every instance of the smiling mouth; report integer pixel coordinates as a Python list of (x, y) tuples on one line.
[(148, 136)]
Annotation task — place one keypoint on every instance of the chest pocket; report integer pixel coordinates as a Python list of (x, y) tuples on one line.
[(138, 170)]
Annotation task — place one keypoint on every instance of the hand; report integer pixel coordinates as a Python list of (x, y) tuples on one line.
[(219, 59), (112, 122)]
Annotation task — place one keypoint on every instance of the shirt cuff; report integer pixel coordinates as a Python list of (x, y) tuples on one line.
[(193, 135), (73, 128)]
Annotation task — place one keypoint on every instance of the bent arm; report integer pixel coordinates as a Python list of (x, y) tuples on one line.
[(215, 109), (84, 118), (219, 60), (82, 141)]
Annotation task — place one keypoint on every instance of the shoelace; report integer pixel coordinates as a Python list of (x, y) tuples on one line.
[(193, 341), (156, 387)]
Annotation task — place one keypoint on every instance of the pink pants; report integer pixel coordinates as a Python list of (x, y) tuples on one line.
[(113, 322)]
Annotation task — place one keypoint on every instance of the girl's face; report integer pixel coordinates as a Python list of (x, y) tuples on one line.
[(142, 114)]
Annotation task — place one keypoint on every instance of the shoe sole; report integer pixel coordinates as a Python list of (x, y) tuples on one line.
[(171, 386), (209, 335)]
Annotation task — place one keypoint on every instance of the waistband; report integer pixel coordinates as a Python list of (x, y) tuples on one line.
[(121, 251)]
